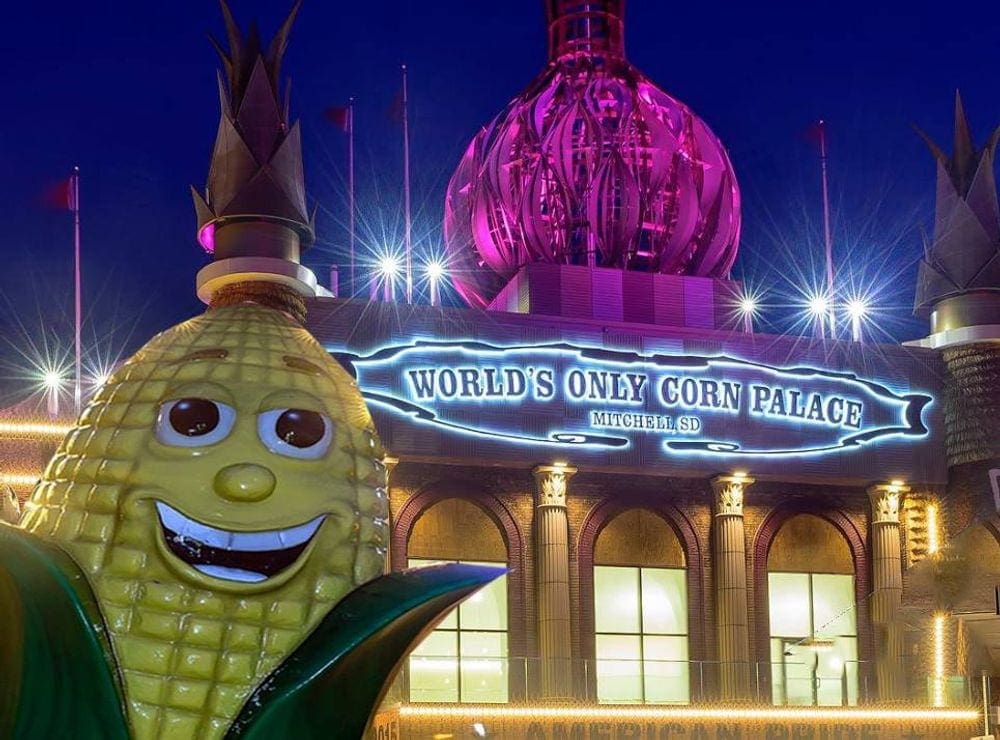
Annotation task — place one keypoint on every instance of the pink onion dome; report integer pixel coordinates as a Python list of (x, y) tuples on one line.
[(591, 165)]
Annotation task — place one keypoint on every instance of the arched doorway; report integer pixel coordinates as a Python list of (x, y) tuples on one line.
[(812, 615), (465, 659), (640, 611)]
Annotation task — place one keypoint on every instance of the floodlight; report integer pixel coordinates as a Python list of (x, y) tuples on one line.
[(857, 308), (52, 379), (748, 305), (388, 266), (819, 305), (435, 270)]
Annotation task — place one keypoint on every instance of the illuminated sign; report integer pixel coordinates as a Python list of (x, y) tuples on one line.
[(546, 722), (566, 395)]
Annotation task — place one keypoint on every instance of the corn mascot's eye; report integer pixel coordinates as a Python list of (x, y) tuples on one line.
[(194, 422), (295, 433)]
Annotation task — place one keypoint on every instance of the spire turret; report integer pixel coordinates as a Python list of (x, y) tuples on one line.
[(593, 27), (958, 286), (959, 278), (252, 217)]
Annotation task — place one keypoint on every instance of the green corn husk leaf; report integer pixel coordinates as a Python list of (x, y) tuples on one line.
[(55, 674), (334, 681)]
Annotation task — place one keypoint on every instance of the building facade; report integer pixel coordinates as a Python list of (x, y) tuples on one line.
[(691, 516)]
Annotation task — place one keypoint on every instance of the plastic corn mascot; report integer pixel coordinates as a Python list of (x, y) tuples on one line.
[(202, 556)]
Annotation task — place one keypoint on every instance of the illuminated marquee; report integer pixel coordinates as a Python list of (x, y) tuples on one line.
[(603, 398), (548, 722)]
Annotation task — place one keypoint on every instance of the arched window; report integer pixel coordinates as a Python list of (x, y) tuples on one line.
[(813, 616), (640, 612), (465, 658)]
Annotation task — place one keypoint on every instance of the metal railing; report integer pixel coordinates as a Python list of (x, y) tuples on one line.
[(512, 680)]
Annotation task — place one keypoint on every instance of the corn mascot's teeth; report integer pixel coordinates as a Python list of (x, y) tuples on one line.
[(233, 556), (210, 494)]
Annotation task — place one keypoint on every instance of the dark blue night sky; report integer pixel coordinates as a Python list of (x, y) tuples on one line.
[(127, 91)]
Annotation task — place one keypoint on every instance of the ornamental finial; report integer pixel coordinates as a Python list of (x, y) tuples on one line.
[(252, 217), (958, 283)]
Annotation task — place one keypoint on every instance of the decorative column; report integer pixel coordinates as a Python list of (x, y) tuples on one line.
[(887, 587), (730, 568), (390, 464), (552, 572)]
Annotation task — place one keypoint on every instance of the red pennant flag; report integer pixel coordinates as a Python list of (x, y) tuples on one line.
[(339, 116), (62, 195), (397, 111), (816, 133)]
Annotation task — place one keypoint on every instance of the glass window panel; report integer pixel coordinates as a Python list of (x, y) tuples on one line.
[(849, 649), (664, 601), (483, 644), (450, 622), (433, 680), (484, 681), (619, 669), (434, 669), (458, 663), (619, 647), (487, 608), (788, 604), (646, 660), (830, 690), (438, 643), (833, 605), (826, 672), (616, 599), (666, 649), (419, 563), (837, 673), (665, 670), (797, 664), (777, 671), (484, 667)]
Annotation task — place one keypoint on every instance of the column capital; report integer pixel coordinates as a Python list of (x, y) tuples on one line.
[(729, 490), (390, 463), (886, 499), (551, 483)]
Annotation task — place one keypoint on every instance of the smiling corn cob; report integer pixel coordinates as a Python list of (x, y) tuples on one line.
[(238, 429)]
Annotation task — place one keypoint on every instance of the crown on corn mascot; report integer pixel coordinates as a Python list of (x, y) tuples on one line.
[(252, 217), (203, 555)]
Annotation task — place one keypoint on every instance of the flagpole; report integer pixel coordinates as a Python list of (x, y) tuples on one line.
[(826, 230), (77, 390), (350, 189), (407, 231)]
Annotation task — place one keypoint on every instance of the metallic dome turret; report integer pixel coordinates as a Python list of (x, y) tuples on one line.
[(591, 165)]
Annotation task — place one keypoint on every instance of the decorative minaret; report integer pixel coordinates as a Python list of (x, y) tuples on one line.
[(252, 218), (959, 288)]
